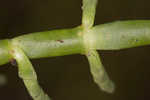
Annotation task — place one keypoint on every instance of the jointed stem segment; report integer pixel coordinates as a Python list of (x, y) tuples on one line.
[(88, 14), (99, 74), (27, 74)]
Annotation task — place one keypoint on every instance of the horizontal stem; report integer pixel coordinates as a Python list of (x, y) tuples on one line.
[(112, 36), (51, 43), (121, 34)]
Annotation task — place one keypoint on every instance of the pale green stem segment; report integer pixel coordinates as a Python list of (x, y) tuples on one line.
[(111, 36), (51, 43), (121, 35), (27, 74), (89, 9), (4, 52), (100, 76)]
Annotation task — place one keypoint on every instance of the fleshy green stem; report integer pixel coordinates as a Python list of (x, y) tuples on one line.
[(88, 15), (99, 74), (98, 71), (27, 74), (121, 35), (85, 39)]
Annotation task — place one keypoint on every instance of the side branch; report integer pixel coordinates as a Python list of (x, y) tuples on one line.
[(100, 76), (88, 15), (28, 75)]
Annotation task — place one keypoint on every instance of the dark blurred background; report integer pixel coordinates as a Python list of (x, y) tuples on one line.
[(68, 77)]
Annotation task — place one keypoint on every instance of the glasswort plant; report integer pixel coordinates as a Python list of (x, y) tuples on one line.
[(84, 39)]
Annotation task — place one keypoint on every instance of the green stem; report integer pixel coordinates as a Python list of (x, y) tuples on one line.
[(80, 40), (27, 74), (88, 15), (51, 43), (99, 74), (4, 52), (111, 36), (121, 35)]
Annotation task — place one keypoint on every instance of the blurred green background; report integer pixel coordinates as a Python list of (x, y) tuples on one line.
[(68, 77)]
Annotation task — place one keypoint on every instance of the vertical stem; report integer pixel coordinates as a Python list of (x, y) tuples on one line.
[(99, 74), (89, 9), (28, 75)]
